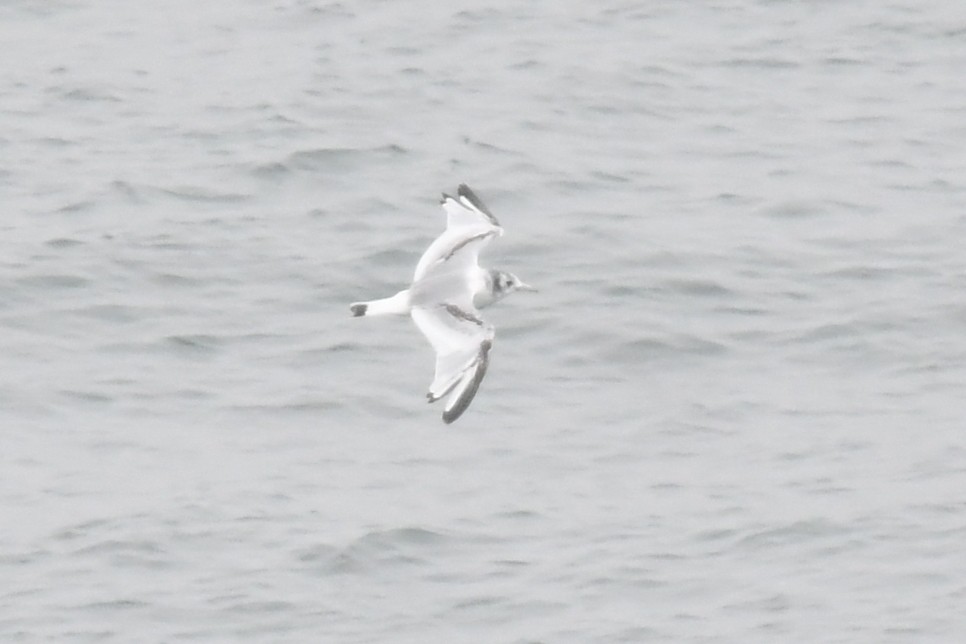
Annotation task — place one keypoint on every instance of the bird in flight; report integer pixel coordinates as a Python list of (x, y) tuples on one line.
[(448, 289)]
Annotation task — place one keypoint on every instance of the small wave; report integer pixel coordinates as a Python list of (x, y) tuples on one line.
[(700, 287), (273, 170), (115, 604), (762, 62), (112, 312), (88, 95), (63, 242), (127, 190), (197, 342), (398, 546), (645, 349), (54, 281), (87, 396), (321, 159), (76, 206), (795, 532), (795, 210), (199, 194), (174, 279), (400, 536)]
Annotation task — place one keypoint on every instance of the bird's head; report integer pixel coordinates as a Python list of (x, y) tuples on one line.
[(505, 283)]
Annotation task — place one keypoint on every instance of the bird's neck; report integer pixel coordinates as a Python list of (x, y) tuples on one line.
[(483, 292)]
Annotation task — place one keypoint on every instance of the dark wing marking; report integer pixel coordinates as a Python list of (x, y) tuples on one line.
[(457, 312), (466, 389), (469, 197), (469, 240)]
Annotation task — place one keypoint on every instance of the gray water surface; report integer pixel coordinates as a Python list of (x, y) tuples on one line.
[(733, 413)]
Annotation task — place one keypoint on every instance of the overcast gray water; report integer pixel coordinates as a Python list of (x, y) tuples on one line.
[(733, 413)]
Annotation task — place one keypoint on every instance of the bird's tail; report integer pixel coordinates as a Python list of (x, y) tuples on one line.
[(398, 304)]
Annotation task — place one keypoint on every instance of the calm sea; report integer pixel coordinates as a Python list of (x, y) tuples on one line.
[(734, 412)]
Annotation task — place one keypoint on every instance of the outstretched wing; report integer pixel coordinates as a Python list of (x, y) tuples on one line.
[(462, 341), (467, 220)]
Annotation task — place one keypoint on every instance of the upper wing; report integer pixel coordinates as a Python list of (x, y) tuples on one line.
[(467, 219), (462, 342)]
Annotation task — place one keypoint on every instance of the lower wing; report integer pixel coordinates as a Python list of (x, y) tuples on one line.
[(462, 341)]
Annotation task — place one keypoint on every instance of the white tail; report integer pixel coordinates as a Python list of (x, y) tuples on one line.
[(398, 304)]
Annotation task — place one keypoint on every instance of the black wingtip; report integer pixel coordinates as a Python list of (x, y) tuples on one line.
[(466, 193), (358, 310)]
